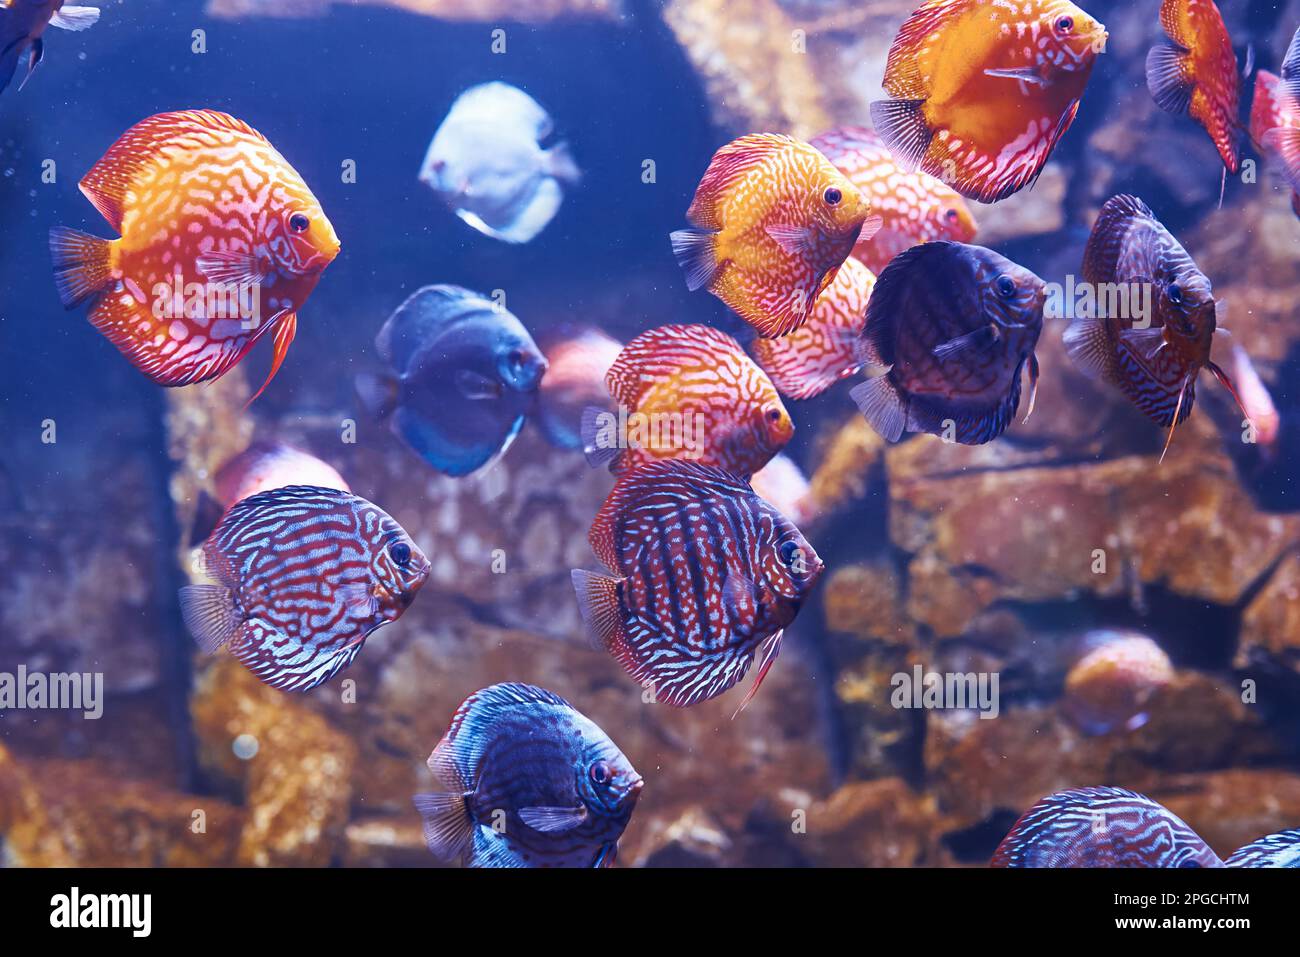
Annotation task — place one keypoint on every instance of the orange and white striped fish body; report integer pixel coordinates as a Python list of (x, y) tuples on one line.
[(1193, 71), (221, 241), (824, 349), (1275, 127), (775, 221), (696, 395), (913, 207), (983, 91)]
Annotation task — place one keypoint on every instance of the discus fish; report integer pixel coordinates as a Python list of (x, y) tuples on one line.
[(464, 374), (1110, 684), (487, 163), (823, 350), (687, 392), (1275, 117), (782, 484), (303, 576), (221, 241), (775, 221), (574, 381), (531, 782), (1102, 827), (22, 28), (982, 92), (1154, 360), (1193, 70), (949, 330), (1277, 850), (706, 573), (914, 207)]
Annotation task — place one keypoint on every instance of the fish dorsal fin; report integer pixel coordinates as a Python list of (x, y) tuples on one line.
[(902, 72), (147, 144), (729, 166), (658, 353), (1101, 255)]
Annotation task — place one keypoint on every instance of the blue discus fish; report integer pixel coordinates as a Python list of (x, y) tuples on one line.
[(464, 376), (1102, 827), (530, 782), (1277, 850), (488, 164)]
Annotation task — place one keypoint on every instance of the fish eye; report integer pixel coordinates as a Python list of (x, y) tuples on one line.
[(832, 196), (1175, 293), (789, 552), (1006, 287), (774, 415), (952, 216), (400, 553), (600, 772), (1064, 24), (299, 222), (516, 359)]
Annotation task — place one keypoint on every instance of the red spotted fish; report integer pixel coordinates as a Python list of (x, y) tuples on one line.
[(22, 30), (687, 392), (1113, 679), (1276, 850), (1275, 117), (824, 349), (774, 221), (530, 782), (982, 92), (1155, 359), (1193, 71), (303, 576), (1102, 827), (705, 574), (950, 328), (913, 207), (221, 242)]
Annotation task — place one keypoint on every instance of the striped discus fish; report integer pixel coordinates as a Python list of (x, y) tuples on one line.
[(984, 91), (304, 575), (1193, 71), (687, 392), (1102, 827), (1155, 359), (914, 207), (824, 349), (774, 221), (707, 572), (531, 782), (1277, 850), (221, 241), (1275, 117), (949, 330)]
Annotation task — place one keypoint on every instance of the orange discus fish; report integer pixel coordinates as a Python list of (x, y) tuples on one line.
[(824, 349), (221, 240), (775, 222), (982, 92), (687, 392), (914, 208), (1193, 71)]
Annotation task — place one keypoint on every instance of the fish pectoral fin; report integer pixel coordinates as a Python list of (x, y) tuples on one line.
[(771, 649), (210, 614), (739, 594), (286, 327), (553, 820), (904, 129), (448, 827), (233, 268), (75, 18), (793, 240), (1145, 343), (1169, 77), (473, 385), (33, 61), (982, 338), (1026, 74), (599, 607), (870, 226), (882, 406), (359, 600)]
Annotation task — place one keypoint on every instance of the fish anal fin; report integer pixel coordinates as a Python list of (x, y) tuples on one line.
[(771, 649)]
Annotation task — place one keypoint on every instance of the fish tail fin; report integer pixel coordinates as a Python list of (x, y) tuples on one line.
[(697, 254), (207, 513), (448, 827), (561, 164), (1168, 76), (82, 264), (770, 652), (882, 406), (378, 394), (210, 614), (285, 330), (902, 126), (597, 451), (598, 604), (1088, 348)]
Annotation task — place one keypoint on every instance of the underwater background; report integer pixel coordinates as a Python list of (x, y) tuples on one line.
[(958, 559)]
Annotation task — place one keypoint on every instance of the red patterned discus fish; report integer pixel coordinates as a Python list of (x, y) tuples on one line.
[(1102, 827), (221, 241), (304, 575), (705, 572), (687, 392), (984, 91), (1154, 360), (914, 207), (1193, 71), (823, 350), (949, 330), (1275, 117), (775, 220)]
